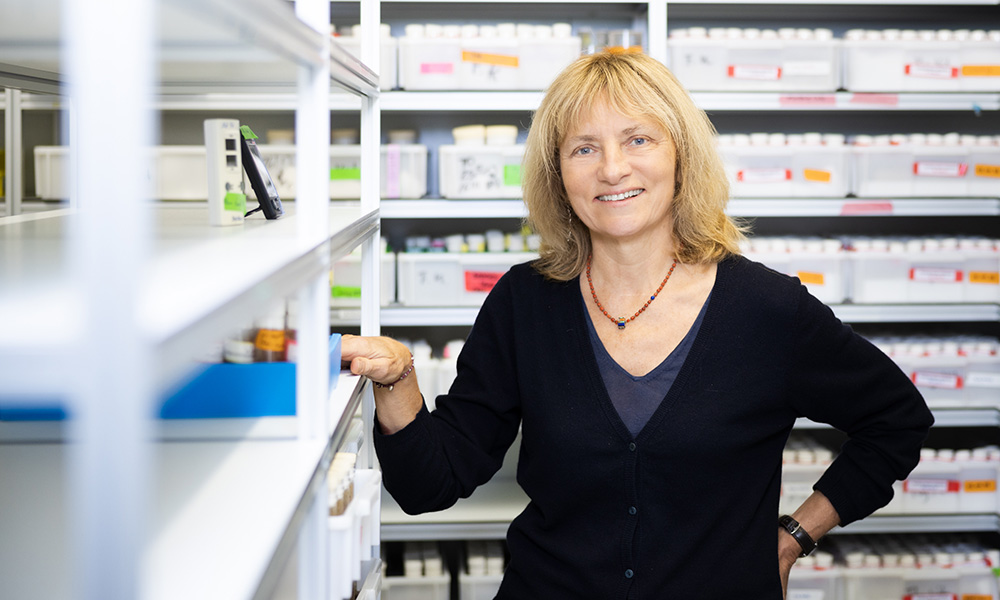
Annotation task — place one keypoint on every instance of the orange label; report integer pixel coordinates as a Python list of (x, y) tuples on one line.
[(817, 175), (987, 170), (981, 70), (981, 485), (977, 597), (481, 281), (813, 278), (272, 340), (987, 277), (484, 58)]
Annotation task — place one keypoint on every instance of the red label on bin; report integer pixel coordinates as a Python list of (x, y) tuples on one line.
[(932, 486), (935, 275), (866, 208), (932, 71), (481, 281)]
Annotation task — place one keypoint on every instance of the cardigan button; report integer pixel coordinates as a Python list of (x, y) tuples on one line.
[(628, 573), (632, 510), (631, 446)]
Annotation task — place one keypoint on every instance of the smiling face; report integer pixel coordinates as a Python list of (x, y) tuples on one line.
[(618, 172)]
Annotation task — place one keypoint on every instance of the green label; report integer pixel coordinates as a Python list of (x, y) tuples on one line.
[(512, 175), (345, 173), (345, 291), (247, 133), (235, 201)]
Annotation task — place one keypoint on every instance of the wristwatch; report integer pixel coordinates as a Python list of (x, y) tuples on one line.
[(796, 531)]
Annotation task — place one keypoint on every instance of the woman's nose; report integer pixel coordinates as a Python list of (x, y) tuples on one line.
[(615, 165)]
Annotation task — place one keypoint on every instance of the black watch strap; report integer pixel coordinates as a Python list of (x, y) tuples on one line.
[(796, 531)]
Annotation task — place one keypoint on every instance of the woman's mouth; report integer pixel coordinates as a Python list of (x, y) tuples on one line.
[(621, 196)]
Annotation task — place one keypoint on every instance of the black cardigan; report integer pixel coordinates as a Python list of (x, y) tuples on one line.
[(686, 509)]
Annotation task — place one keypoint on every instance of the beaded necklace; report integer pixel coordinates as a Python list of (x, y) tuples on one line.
[(621, 321)]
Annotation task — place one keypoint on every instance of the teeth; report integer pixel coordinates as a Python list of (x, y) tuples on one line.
[(621, 196)]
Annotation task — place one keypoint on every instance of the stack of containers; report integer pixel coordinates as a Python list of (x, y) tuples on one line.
[(484, 162), (948, 481), (924, 270), (403, 170), (887, 567), (893, 60), (456, 277), (802, 464), (929, 165), (734, 59), (484, 57), (350, 39), (819, 263), (484, 566), (949, 372), (424, 577), (815, 576), (777, 165)]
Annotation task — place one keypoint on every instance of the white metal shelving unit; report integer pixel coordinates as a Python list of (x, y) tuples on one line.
[(107, 303)]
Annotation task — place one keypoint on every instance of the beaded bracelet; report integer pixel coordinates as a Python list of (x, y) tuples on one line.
[(401, 377)]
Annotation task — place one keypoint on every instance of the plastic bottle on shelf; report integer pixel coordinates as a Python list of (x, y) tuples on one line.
[(240, 348), (269, 341)]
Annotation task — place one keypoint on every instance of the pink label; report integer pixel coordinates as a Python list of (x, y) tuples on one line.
[(878, 99), (940, 381), (481, 281), (866, 208), (755, 72), (437, 68), (935, 275), (764, 175), (940, 169), (807, 101), (392, 169)]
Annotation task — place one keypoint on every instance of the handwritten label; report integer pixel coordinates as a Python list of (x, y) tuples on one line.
[(980, 70), (941, 381), (807, 68), (931, 486), (866, 208), (987, 171), (926, 168), (437, 68), (975, 486), (481, 281), (879, 99), (271, 340), (755, 72), (817, 175), (811, 278), (931, 71), (804, 101), (485, 58), (764, 175), (935, 275), (984, 277)]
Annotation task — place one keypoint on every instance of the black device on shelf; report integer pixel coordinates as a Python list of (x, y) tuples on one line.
[(260, 179)]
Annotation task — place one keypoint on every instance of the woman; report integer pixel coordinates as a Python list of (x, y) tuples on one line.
[(654, 374)]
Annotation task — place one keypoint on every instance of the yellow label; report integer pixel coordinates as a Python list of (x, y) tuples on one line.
[(987, 277), (817, 175), (485, 58), (987, 170), (272, 340), (981, 70), (813, 278), (977, 597), (980, 485)]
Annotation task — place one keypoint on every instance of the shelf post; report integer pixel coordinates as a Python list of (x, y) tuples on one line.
[(13, 186)]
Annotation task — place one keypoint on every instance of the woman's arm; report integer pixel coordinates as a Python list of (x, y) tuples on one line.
[(387, 362), (816, 516)]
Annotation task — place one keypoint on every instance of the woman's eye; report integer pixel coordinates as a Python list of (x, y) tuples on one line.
[(583, 151), (640, 141)]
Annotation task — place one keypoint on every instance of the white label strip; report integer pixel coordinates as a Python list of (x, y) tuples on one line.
[(984, 379)]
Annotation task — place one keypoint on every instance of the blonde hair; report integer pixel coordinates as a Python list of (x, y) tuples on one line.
[(640, 87)]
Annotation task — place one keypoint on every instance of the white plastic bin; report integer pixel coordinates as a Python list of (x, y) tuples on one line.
[(345, 289), (416, 588), (470, 172), (815, 578), (478, 587), (978, 475), (932, 488), (878, 583), (355, 533), (403, 170), (753, 63), (450, 279), (388, 58), (797, 481), (913, 170)]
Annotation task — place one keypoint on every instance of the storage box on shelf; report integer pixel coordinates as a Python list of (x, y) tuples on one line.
[(820, 264), (424, 575), (473, 172), (450, 279), (483, 572), (786, 166), (928, 165), (355, 497), (949, 372), (486, 57), (815, 576), (924, 270), (345, 288), (893, 60), (734, 59), (350, 39)]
